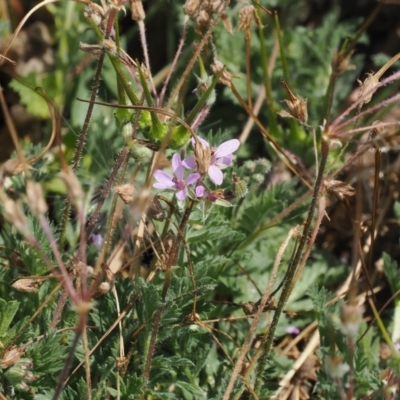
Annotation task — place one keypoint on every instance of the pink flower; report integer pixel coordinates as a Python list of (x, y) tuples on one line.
[(221, 157), (292, 330), (177, 182)]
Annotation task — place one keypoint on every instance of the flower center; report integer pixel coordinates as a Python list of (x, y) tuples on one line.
[(179, 183)]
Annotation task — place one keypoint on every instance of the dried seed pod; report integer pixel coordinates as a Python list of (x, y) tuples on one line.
[(155, 211), (125, 192), (202, 156), (138, 13), (226, 78), (246, 15), (339, 189), (36, 200), (103, 288), (27, 285), (11, 356), (297, 106)]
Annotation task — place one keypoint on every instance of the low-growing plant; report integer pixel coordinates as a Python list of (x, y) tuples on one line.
[(154, 249)]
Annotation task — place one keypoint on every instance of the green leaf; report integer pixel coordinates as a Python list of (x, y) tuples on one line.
[(7, 313), (391, 271)]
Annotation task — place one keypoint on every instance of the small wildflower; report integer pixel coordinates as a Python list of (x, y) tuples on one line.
[(177, 182), (292, 330), (221, 157), (97, 240)]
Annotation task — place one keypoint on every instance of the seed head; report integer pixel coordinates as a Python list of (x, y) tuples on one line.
[(27, 285), (368, 86), (138, 13), (191, 7), (11, 356), (125, 192), (297, 106), (202, 156), (226, 78), (246, 15)]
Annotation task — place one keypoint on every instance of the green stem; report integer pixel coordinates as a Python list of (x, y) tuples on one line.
[(273, 122), (292, 267)]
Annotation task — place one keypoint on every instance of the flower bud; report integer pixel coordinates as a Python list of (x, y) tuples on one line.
[(257, 178), (239, 187), (249, 166)]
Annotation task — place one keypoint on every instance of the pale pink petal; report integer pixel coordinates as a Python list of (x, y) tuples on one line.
[(181, 194), (164, 179), (177, 166), (192, 178), (224, 162), (227, 148), (190, 163), (215, 174), (200, 191)]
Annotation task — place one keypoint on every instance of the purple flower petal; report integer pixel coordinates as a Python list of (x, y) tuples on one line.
[(97, 240), (192, 178), (164, 179), (200, 191), (224, 162), (293, 330), (227, 148), (190, 163), (215, 174), (181, 194), (177, 166)]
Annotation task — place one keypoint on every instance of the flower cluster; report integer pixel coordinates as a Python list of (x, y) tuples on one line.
[(206, 161)]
